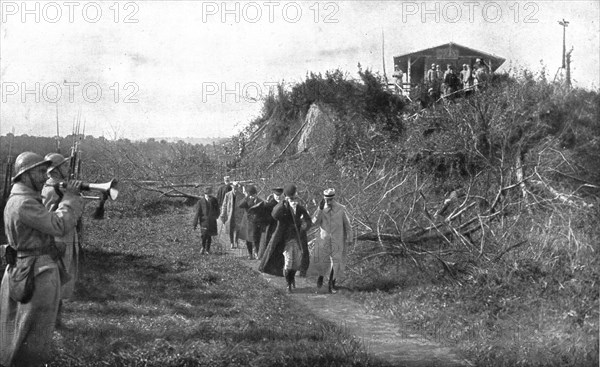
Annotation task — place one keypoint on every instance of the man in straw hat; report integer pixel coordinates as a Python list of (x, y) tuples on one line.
[(335, 235), (286, 244), (28, 314)]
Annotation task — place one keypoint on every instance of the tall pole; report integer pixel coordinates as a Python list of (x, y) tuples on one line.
[(564, 24), (568, 57), (57, 132), (383, 57)]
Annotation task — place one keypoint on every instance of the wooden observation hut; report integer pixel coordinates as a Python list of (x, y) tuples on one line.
[(414, 65)]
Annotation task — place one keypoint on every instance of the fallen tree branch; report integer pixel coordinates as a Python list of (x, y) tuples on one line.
[(508, 249), (564, 198)]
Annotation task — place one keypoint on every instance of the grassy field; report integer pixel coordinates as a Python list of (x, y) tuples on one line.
[(523, 318), (147, 298)]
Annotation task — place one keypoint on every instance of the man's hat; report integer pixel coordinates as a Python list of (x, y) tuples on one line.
[(251, 190), (329, 193), (289, 190), (278, 190)]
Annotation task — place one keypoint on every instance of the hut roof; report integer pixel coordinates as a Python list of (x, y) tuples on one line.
[(452, 49)]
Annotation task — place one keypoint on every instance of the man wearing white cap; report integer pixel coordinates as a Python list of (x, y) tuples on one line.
[(335, 235)]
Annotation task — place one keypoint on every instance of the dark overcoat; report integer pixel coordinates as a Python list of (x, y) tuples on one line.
[(269, 225), (288, 227), (253, 207), (207, 212)]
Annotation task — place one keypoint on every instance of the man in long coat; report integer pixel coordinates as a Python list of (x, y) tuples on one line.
[(207, 212), (222, 190), (285, 248), (26, 326), (269, 222), (68, 244), (253, 205), (232, 215), (51, 197), (335, 234)]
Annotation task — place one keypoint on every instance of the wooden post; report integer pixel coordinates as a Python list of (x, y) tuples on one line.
[(408, 76)]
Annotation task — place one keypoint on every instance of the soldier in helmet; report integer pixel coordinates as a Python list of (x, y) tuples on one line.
[(68, 245), (28, 314)]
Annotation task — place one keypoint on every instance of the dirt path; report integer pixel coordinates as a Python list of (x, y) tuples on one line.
[(381, 337)]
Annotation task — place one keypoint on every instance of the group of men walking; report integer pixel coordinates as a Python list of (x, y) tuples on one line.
[(276, 230), (40, 221)]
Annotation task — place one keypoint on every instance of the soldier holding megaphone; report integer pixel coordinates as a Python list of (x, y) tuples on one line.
[(68, 245), (30, 292)]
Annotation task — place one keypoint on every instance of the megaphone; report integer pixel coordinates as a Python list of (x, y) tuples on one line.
[(109, 187)]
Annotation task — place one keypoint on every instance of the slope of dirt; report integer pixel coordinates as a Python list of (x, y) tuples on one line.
[(319, 132)]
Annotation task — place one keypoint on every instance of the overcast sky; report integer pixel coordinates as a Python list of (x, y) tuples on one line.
[(143, 69)]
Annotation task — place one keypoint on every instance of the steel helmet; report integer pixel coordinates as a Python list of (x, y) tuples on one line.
[(57, 159), (28, 160)]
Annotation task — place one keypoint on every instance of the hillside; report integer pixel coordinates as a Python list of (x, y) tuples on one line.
[(490, 203), (476, 219)]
